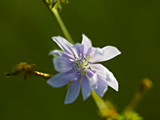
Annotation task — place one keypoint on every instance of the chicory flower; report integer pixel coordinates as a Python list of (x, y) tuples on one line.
[(78, 65)]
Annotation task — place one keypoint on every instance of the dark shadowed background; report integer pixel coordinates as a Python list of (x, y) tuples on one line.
[(26, 28)]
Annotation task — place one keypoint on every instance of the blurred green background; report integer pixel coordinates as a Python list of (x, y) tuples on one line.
[(26, 28)]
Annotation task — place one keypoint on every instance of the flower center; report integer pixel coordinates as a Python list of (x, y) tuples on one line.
[(80, 65)]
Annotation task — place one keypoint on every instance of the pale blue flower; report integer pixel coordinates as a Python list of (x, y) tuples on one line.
[(78, 65)]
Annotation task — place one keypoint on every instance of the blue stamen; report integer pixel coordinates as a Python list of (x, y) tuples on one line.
[(86, 64), (81, 60), (78, 72), (82, 57), (75, 57), (83, 69), (85, 59), (80, 64)]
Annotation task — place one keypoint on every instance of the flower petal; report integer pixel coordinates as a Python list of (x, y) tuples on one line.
[(106, 75), (106, 53), (60, 53), (63, 44), (80, 49), (86, 42), (85, 87), (61, 79), (101, 87), (62, 64), (100, 70), (88, 52), (92, 76), (73, 91), (112, 82)]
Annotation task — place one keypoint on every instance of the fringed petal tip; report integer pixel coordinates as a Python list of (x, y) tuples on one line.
[(104, 54), (86, 42)]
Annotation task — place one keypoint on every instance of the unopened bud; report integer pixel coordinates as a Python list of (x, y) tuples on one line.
[(145, 85)]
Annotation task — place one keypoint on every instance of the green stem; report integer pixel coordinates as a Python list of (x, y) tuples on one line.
[(106, 109), (100, 104), (63, 27)]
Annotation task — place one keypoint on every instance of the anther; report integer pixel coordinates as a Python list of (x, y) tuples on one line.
[(81, 60), (75, 57), (90, 68), (78, 72), (86, 64), (85, 59), (83, 69)]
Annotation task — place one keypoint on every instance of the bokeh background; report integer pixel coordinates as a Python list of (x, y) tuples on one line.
[(26, 28)]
